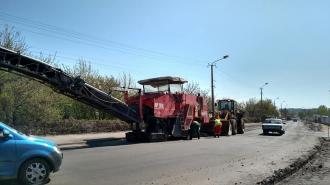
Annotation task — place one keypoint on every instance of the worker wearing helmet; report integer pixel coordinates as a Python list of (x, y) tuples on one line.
[(217, 127)]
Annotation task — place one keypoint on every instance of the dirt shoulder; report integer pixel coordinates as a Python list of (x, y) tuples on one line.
[(316, 171)]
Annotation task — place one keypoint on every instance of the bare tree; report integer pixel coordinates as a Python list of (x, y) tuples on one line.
[(11, 39), (126, 80)]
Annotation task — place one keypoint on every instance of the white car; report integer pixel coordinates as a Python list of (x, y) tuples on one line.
[(273, 125)]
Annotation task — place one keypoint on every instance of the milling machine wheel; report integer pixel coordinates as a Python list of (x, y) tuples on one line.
[(157, 137), (136, 136)]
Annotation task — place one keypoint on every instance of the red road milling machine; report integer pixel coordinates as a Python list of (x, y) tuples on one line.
[(165, 110), (158, 111)]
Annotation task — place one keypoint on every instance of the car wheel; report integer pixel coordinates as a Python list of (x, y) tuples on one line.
[(265, 132), (34, 172)]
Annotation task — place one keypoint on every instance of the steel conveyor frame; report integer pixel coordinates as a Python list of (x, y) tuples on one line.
[(61, 82)]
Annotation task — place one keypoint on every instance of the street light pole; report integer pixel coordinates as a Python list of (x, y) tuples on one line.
[(328, 121), (282, 107), (212, 90), (213, 64), (275, 101), (261, 93)]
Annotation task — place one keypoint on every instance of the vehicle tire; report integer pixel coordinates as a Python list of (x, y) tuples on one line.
[(240, 127), (225, 128), (233, 126), (189, 135), (34, 172), (265, 132), (230, 130)]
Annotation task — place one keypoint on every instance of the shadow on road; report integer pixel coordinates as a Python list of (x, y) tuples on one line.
[(92, 143)]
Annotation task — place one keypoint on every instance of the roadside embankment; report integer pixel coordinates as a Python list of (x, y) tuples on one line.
[(315, 171)]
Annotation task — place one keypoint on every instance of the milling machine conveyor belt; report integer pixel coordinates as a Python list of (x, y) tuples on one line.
[(61, 82)]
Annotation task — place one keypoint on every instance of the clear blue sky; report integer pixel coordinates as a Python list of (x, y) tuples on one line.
[(283, 42)]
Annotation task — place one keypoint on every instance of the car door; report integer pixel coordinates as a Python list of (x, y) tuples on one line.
[(7, 154)]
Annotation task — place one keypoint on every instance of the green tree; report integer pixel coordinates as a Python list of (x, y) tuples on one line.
[(322, 110), (256, 110)]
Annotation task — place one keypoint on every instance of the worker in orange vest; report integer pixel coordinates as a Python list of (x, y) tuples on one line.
[(217, 126)]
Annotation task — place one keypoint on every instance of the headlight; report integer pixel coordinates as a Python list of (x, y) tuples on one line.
[(57, 150)]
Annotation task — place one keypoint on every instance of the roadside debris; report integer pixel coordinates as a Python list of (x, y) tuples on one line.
[(301, 164)]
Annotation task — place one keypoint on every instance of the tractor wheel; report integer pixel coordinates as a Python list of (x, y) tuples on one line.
[(240, 127), (226, 129), (230, 129), (233, 124)]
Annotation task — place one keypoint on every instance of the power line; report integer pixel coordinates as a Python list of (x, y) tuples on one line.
[(76, 60), (85, 37), (48, 30)]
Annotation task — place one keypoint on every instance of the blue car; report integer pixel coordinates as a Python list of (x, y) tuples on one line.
[(28, 159)]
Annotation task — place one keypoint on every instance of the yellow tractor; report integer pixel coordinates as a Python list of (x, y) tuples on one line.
[(230, 116)]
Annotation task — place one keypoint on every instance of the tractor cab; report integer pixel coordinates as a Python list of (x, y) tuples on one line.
[(227, 105), (230, 106), (165, 85)]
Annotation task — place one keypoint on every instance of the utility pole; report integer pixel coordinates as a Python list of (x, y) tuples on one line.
[(213, 64), (212, 90), (261, 89), (275, 101), (275, 104), (328, 121), (282, 107), (261, 104)]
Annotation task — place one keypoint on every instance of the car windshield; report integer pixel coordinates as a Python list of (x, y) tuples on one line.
[(272, 121), (276, 122), (267, 121), (6, 127)]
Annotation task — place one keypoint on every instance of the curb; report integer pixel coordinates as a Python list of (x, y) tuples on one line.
[(89, 144), (297, 164), (109, 141)]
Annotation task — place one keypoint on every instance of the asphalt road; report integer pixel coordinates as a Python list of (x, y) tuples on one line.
[(241, 159)]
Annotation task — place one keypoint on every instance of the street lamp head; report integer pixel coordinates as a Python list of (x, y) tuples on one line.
[(226, 56), (264, 85)]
